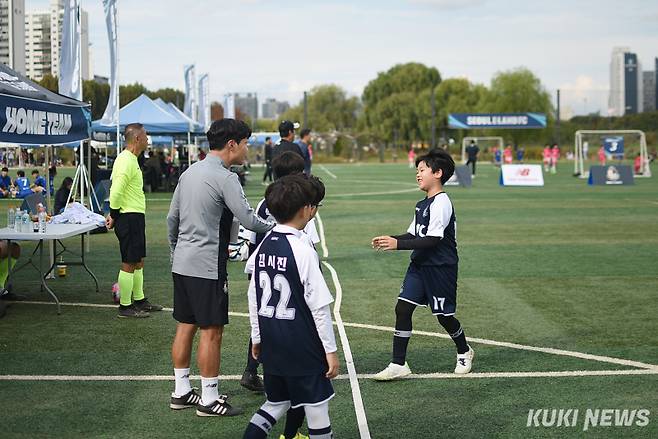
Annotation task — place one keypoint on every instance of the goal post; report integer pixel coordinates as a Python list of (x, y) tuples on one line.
[(467, 140), (582, 135)]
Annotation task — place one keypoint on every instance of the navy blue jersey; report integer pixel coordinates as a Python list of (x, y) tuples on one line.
[(286, 285), (262, 212), (435, 216)]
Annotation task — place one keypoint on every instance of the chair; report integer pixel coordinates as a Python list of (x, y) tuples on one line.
[(31, 202)]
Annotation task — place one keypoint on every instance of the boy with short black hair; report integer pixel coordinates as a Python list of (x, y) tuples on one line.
[(22, 184), (290, 314), (431, 279), (5, 183), (39, 184)]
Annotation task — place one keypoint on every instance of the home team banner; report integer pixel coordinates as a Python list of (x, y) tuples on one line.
[(470, 121)]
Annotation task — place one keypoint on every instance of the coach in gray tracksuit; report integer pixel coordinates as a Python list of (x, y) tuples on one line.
[(206, 199)]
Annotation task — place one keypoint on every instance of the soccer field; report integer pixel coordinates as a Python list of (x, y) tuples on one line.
[(558, 295)]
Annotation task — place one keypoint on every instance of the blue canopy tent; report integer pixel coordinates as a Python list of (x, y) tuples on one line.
[(194, 126), (33, 115), (145, 111)]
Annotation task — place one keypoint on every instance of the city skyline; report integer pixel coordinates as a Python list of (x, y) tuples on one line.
[(567, 46)]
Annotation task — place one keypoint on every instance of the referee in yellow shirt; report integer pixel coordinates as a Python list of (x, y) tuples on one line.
[(127, 208)]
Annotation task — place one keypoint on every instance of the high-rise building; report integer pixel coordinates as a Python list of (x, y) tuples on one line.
[(12, 34), (248, 105), (273, 109), (625, 83), (56, 30), (649, 89), (38, 51)]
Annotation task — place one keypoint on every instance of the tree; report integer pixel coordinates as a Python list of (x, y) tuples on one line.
[(216, 111), (176, 97), (329, 108), (130, 92), (50, 82), (518, 91), (391, 100)]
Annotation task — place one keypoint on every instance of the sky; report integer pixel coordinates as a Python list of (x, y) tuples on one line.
[(281, 48)]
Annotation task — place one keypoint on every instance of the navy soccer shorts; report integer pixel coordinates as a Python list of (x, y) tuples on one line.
[(299, 390), (431, 285)]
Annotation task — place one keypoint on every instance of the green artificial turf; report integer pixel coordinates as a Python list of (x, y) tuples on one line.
[(566, 266)]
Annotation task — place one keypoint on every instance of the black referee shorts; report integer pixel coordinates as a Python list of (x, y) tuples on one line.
[(130, 229), (199, 301)]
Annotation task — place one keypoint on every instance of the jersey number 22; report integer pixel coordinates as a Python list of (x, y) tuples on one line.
[(280, 283)]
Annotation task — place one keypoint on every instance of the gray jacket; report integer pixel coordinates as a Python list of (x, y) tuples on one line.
[(207, 197)]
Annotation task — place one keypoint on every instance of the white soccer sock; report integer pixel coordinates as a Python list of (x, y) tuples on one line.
[(209, 390), (317, 419), (182, 382)]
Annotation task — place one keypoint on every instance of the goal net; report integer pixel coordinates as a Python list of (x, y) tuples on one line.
[(611, 146), (482, 143)]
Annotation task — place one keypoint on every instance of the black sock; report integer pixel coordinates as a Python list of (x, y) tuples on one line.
[(294, 421), (252, 364), (403, 312), (320, 433), (454, 329)]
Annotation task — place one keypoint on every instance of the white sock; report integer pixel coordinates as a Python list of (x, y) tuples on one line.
[(182, 382), (209, 390)]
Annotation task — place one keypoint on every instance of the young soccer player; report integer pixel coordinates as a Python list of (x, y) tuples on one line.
[(291, 326), (287, 163), (431, 278)]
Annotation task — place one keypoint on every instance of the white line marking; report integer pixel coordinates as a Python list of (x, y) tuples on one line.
[(323, 241), (362, 421), (361, 418), (332, 175), (550, 374), (365, 194), (505, 344), (562, 352)]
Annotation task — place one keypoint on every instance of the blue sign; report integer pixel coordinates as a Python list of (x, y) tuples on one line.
[(26, 121), (614, 145), (470, 121)]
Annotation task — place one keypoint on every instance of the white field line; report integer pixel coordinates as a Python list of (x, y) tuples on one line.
[(473, 375), (505, 344), (331, 174), (365, 194), (323, 241), (361, 419), (561, 352)]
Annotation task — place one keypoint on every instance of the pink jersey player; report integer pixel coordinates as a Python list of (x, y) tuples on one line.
[(507, 155), (546, 156), (601, 156)]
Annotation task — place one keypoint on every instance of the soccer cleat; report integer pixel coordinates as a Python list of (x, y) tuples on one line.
[(218, 408), (252, 381), (131, 312), (393, 372), (146, 306), (297, 436), (190, 399), (465, 361)]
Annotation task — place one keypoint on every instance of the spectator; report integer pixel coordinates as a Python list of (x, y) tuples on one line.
[(62, 194), (304, 148), (268, 159), (287, 133), (5, 183)]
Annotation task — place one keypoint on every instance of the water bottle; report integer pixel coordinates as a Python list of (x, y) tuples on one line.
[(42, 219), (27, 223), (11, 217), (18, 219)]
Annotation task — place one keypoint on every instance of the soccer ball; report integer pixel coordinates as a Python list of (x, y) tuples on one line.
[(116, 295)]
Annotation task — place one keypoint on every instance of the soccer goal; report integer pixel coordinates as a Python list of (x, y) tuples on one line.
[(616, 144), (481, 143)]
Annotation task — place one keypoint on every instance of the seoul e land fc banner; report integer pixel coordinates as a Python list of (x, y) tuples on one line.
[(472, 121), (614, 145)]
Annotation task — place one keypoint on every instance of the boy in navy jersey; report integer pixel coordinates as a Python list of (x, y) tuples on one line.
[(431, 278), (291, 326)]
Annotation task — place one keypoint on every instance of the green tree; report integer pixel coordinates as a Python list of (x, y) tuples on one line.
[(519, 91), (391, 101), (50, 82), (130, 92), (329, 108), (176, 97)]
